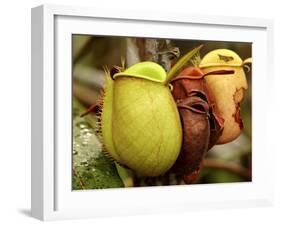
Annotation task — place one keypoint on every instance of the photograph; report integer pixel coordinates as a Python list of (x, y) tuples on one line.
[(159, 112)]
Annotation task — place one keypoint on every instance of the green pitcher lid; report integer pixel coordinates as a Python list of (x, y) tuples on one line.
[(145, 70)]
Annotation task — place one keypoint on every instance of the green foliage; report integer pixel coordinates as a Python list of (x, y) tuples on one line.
[(209, 175)]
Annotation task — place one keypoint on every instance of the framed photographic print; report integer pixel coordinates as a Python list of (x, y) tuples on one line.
[(134, 113)]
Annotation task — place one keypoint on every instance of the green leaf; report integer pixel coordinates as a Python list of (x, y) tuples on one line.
[(181, 62), (92, 169)]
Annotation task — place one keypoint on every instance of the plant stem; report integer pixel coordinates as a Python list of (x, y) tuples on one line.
[(76, 174), (228, 166)]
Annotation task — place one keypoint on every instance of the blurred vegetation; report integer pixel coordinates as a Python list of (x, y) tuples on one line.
[(91, 167)]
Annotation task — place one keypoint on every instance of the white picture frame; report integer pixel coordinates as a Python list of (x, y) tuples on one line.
[(52, 197)]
